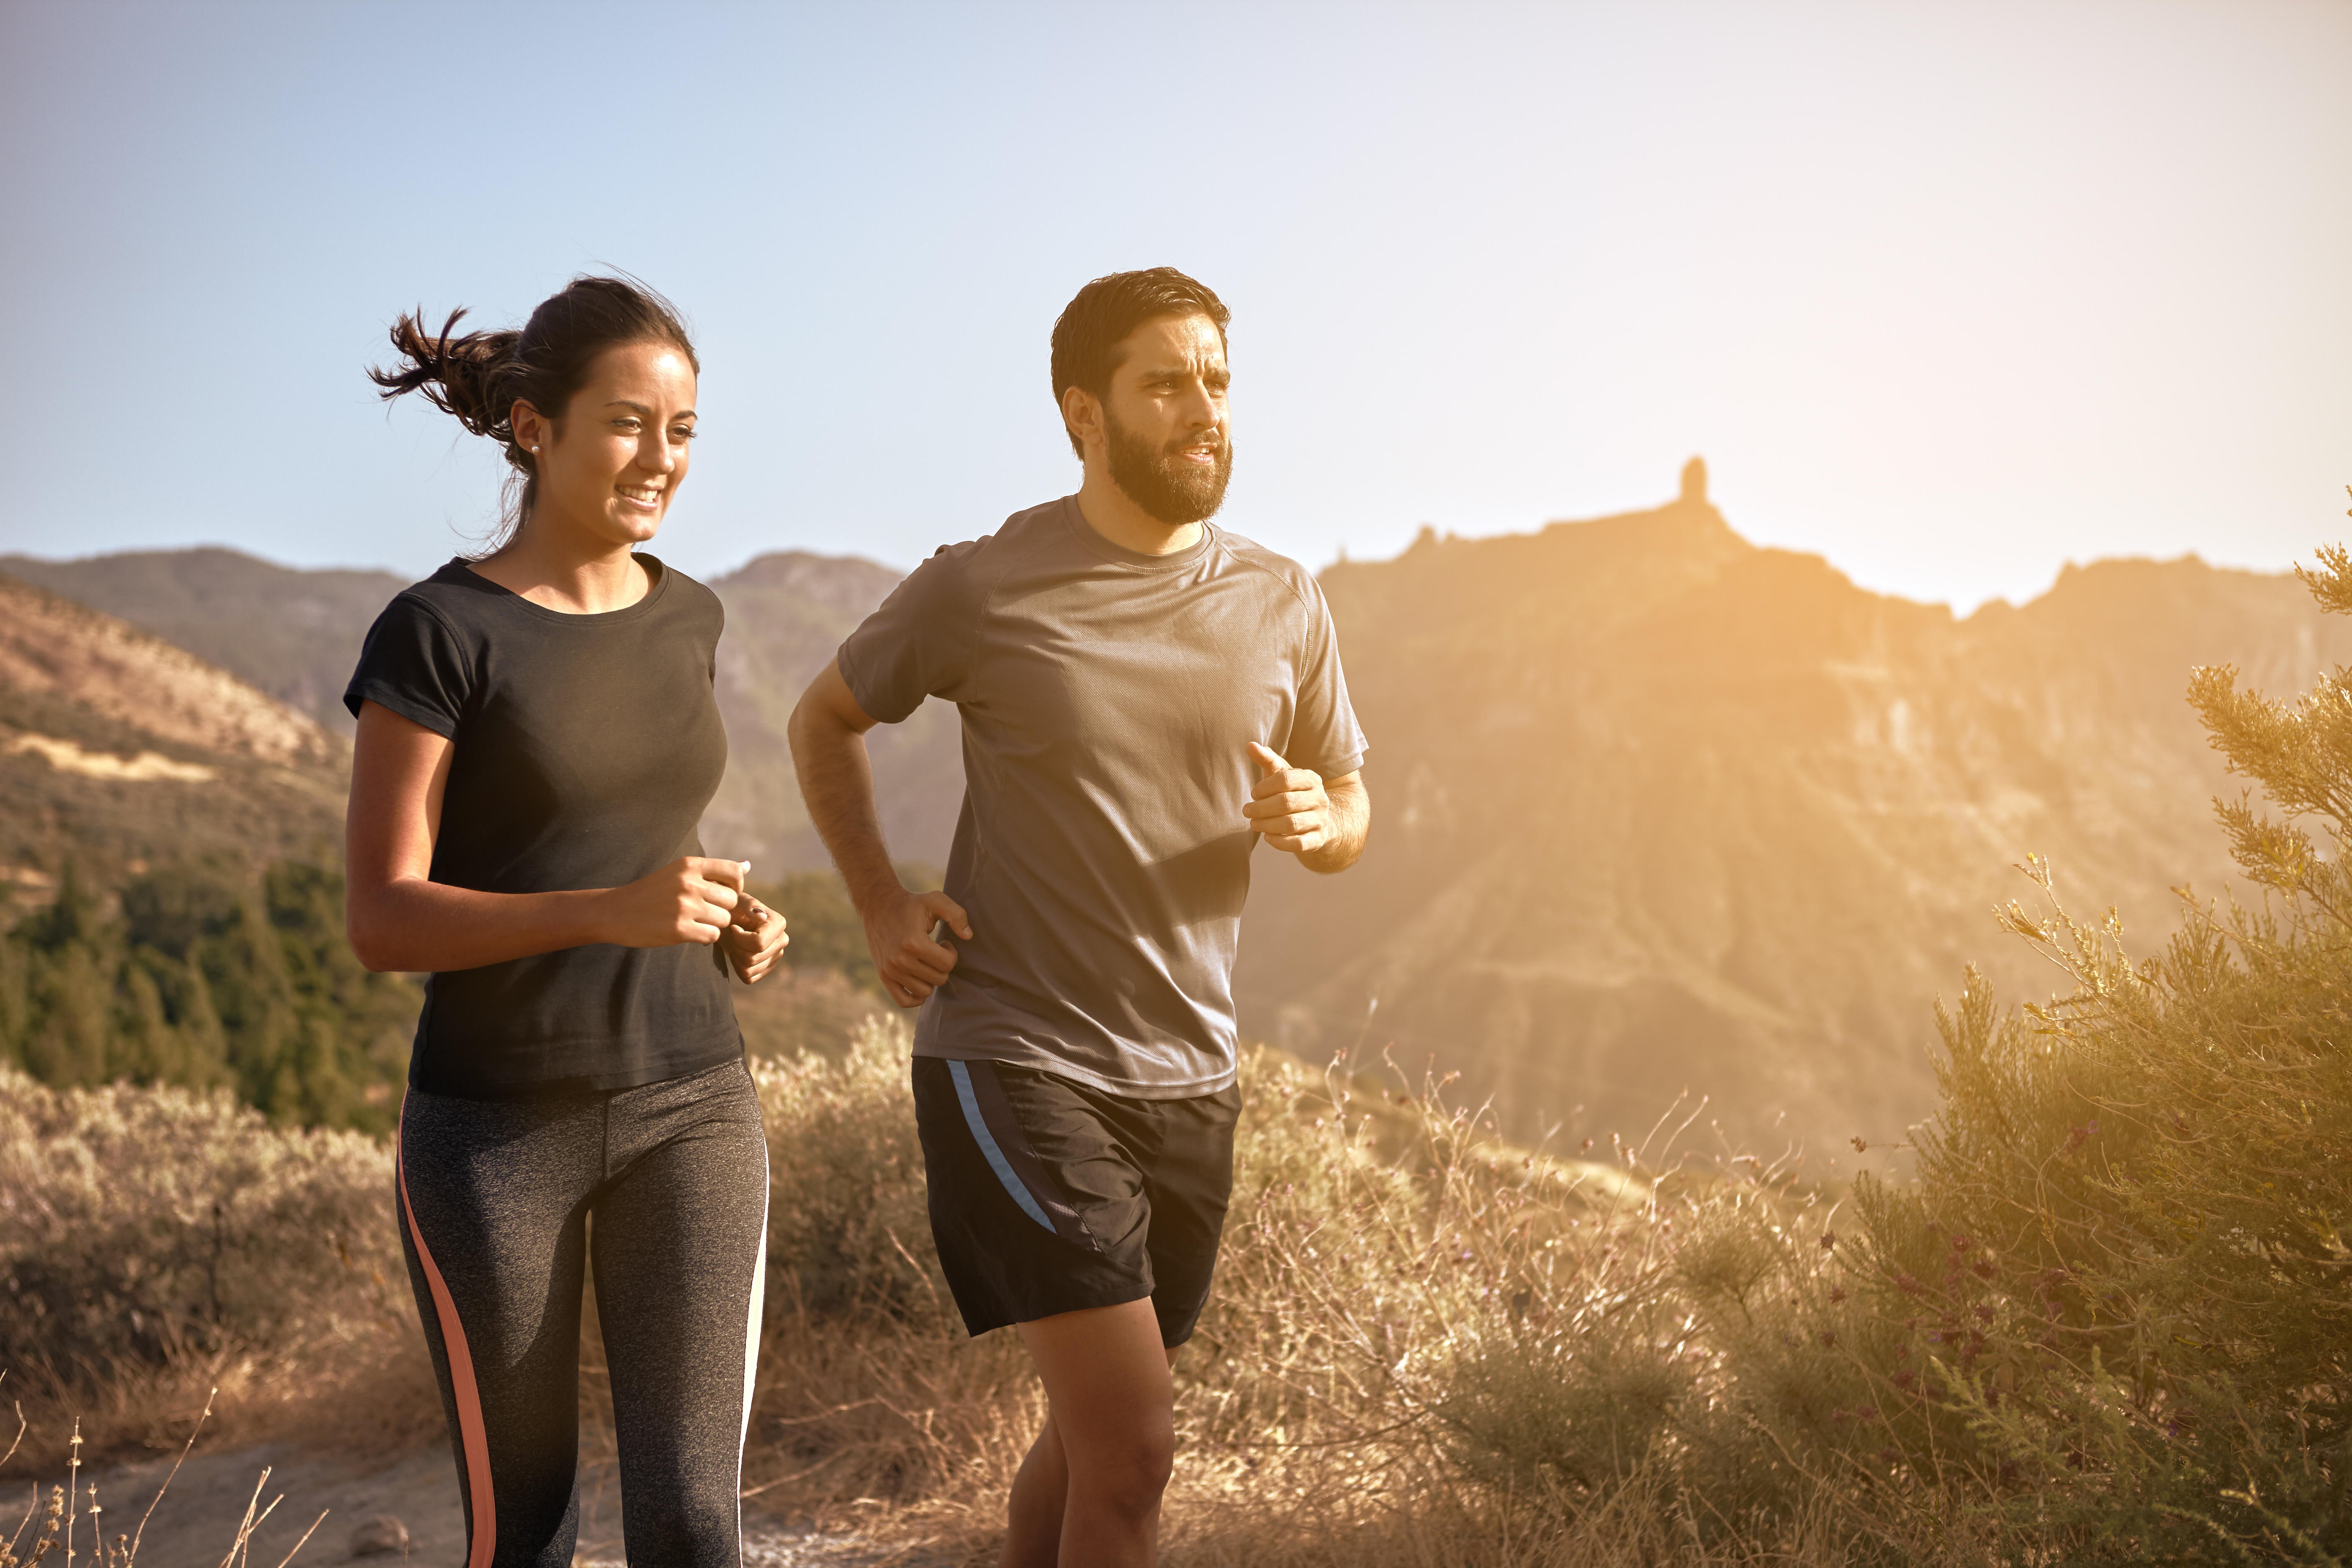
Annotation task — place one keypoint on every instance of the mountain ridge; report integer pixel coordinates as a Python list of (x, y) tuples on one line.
[(1655, 805), (295, 635), (118, 748), (1770, 813)]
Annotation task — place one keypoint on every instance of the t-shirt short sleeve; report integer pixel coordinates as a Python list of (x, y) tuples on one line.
[(413, 664), (1324, 735), (919, 642)]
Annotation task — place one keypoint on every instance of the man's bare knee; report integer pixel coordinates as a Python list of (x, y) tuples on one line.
[(1129, 1473)]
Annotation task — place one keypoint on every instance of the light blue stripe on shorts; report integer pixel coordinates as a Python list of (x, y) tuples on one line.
[(996, 1160)]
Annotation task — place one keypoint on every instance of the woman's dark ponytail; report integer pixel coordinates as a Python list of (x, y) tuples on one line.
[(481, 376), (471, 377)]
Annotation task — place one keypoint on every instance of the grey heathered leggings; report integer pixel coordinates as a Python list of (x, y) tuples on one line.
[(495, 1201)]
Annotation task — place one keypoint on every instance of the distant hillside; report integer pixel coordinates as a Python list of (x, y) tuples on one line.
[(296, 634), (786, 615), (170, 846), (1655, 808), (118, 748), (293, 633)]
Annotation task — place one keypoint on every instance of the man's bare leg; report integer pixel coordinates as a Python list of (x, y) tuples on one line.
[(1109, 1400), (1032, 1536)]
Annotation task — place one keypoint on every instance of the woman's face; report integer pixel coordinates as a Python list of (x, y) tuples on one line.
[(611, 465)]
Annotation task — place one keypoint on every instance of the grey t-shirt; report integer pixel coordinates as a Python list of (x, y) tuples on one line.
[(1108, 700)]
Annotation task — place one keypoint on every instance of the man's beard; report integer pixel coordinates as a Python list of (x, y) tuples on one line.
[(1173, 490)]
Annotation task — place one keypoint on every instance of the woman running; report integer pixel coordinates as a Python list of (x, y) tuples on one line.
[(538, 738)]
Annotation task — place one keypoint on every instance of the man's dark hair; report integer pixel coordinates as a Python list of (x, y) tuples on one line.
[(1102, 315)]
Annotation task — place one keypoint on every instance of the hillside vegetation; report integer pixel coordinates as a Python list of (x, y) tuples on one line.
[(2105, 1323), (173, 837), (210, 977), (290, 633), (118, 748)]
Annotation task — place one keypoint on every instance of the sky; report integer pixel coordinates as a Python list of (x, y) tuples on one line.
[(1950, 293)]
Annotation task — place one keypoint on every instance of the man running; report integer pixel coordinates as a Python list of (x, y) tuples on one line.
[(1144, 697)]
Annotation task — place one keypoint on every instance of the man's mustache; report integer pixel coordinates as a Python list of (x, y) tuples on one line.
[(1218, 445)]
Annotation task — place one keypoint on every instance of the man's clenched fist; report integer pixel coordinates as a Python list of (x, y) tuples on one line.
[(1289, 807), (899, 934)]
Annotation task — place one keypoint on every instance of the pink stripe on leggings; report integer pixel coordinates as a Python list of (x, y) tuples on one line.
[(471, 1433)]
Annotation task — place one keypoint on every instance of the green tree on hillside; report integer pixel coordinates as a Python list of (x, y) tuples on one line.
[(2129, 1254), (207, 978)]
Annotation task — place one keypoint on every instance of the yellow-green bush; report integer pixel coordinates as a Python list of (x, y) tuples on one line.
[(149, 1232), (848, 1235), (2126, 1250)]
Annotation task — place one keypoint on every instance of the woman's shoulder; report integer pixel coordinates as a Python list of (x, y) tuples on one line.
[(456, 597), (684, 597)]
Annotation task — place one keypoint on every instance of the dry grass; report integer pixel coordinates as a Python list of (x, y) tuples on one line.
[(1425, 1347), (159, 1244), (71, 1520), (794, 1011)]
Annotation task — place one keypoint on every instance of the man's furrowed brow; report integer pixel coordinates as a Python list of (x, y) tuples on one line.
[(1213, 372)]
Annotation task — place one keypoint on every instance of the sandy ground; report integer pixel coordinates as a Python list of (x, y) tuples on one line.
[(198, 1518)]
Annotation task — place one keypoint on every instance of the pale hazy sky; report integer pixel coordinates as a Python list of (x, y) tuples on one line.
[(1950, 293)]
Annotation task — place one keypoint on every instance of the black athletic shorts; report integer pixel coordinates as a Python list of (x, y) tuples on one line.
[(1049, 1196)]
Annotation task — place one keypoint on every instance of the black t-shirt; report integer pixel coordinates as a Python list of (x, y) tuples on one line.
[(587, 747)]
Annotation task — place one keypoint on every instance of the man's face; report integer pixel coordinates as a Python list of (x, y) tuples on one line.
[(1166, 423)]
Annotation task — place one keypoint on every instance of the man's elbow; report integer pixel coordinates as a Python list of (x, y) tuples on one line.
[(818, 723), (798, 741), (1337, 859), (810, 718)]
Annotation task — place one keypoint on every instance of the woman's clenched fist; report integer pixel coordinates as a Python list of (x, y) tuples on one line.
[(756, 939), (692, 898)]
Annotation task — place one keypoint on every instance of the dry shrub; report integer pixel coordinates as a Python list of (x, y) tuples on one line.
[(872, 1402), (797, 1010), (157, 1243), (1425, 1346), (1432, 1346)]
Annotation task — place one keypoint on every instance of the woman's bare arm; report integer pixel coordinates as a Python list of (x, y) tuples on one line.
[(399, 917)]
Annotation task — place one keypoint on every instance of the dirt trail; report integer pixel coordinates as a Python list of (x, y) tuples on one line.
[(198, 1518)]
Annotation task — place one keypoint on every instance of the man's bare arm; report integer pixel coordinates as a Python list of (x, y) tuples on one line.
[(827, 733), (1350, 826), (836, 777)]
